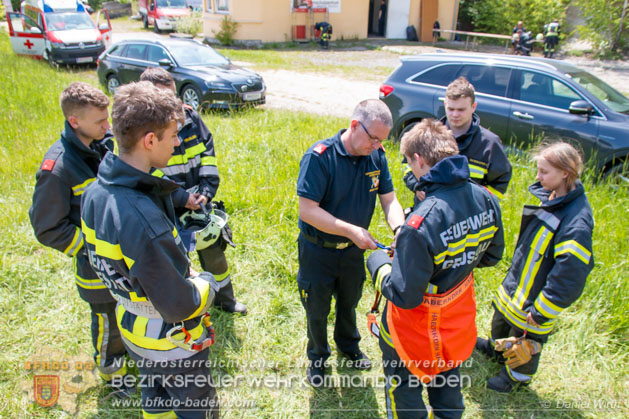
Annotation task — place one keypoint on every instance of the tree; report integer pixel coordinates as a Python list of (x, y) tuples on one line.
[(606, 25)]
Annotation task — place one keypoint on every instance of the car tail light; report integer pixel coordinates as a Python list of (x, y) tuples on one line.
[(97, 62), (385, 90)]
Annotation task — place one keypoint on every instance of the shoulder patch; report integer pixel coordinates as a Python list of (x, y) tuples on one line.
[(48, 164), (415, 221), (320, 148)]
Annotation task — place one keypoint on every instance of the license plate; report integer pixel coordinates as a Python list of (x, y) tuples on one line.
[(252, 96), (84, 60)]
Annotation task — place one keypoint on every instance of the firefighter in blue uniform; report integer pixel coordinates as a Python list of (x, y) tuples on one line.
[(429, 316), (551, 262), (193, 166), (128, 222), (551, 38), (488, 162), (339, 179), (69, 167)]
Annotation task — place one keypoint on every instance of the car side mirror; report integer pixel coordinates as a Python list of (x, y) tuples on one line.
[(34, 30), (165, 62), (581, 107)]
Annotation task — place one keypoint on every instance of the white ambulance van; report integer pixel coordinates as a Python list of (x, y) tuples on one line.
[(60, 31)]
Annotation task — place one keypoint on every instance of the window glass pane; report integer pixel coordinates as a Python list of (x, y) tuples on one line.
[(156, 53), (115, 51), (441, 76), (544, 90), (135, 51), (487, 79), (222, 5)]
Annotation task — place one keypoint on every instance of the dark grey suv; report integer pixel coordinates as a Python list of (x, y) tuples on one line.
[(519, 98)]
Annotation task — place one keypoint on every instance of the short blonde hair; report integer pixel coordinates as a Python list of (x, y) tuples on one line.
[(562, 156), (140, 108), (78, 95), (430, 139), (460, 88)]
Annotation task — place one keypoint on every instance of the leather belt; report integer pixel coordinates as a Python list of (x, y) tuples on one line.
[(327, 245)]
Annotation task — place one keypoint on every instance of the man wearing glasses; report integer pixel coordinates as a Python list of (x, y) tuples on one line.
[(338, 181)]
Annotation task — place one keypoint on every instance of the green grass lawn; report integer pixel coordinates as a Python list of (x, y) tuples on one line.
[(583, 371)]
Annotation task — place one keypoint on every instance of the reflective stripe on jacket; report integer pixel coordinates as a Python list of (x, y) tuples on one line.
[(551, 262), (68, 169)]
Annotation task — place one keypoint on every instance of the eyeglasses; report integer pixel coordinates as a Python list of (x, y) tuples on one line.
[(374, 140)]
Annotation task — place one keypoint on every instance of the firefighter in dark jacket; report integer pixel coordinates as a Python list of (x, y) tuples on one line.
[(128, 222), (488, 162), (551, 262), (193, 168), (69, 167), (551, 38), (428, 326)]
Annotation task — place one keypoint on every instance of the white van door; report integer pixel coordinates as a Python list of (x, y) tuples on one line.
[(26, 37), (104, 26)]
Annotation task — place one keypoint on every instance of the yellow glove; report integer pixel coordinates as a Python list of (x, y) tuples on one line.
[(521, 352)]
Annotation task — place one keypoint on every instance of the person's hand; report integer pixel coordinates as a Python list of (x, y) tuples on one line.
[(202, 199), (394, 243), (193, 203), (421, 195), (193, 273), (363, 239), (531, 321)]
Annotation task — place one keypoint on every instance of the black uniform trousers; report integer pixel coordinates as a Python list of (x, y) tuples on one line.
[(500, 329), (403, 390), (213, 260), (550, 42), (323, 274), (172, 387), (109, 351)]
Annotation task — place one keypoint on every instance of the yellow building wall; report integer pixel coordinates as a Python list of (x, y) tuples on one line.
[(448, 11), (271, 20)]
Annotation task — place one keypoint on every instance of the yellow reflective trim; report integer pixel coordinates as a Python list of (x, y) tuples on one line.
[(386, 337), (78, 190), (544, 329), (208, 161), (431, 289), (158, 173), (468, 241), (204, 290), (74, 246), (175, 232), (90, 284), (121, 372), (191, 153), (134, 297), (163, 415), (391, 389), (103, 248), (139, 325), (190, 138), (99, 339), (154, 344), (496, 193), (382, 272), (407, 170), (575, 248), (546, 307), (538, 247), (221, 277)]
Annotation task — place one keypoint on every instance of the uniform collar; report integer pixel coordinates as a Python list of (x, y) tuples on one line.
[(464, 140), (338, 144), (542, 194), (114, 171), (449, 171), (69, 137)]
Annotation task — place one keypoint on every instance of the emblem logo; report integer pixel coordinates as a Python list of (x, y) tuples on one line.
[(81, 45), (243, 88), (46, 389), (375, 180)]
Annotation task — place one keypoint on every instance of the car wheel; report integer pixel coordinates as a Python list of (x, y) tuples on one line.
[(48, 56), (191, 96), (618, 175), (145, 20), (112, 83), (406, 129)]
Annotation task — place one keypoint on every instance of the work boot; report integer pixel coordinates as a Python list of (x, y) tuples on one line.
[(226, 301), (502, 383), (484, 346), (315, 374), (358, 360)]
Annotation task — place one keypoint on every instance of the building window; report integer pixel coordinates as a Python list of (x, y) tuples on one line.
[(208, 4), (222, 6)]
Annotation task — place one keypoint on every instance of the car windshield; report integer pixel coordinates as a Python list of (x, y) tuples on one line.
[(194, 54), (68, 21), (607, 94), (173, 4)]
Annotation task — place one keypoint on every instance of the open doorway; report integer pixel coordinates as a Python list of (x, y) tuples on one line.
[(377, 22)]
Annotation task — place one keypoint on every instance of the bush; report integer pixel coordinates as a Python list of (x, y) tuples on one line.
[(228, 30), (605, 25), (192, 24)]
